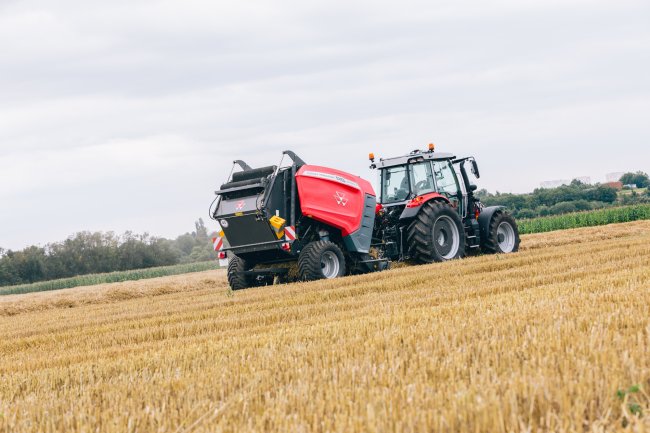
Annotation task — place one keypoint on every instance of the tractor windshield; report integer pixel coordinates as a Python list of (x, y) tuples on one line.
[(406, 181), (403, 182)]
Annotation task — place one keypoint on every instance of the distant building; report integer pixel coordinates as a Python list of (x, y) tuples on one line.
[(554, 183), (630, 186), (614, 177), (584, 179), (616, 185)]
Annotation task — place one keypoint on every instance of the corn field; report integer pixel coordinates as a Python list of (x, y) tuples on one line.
[(112, 277), (585, 219), (553, 338)]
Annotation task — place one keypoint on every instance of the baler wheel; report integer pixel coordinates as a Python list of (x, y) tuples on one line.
[(436, 234), (321, 260), (236, 278), (503, 235)]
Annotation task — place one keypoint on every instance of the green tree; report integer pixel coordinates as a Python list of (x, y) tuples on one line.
[(99, 252), (195, 246), (582, 205), (185, 243), (30, 264), (8, 271), (144, 251), (562, 208), (201, 230), (526, 213), (603, 193), (640, 179), (202, 253)]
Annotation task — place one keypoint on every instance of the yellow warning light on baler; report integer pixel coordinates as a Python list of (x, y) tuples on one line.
[(277, 222), (371, 156), (278, 225), (432, 147)]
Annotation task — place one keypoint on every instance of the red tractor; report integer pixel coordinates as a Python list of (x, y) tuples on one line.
[(330, 224)]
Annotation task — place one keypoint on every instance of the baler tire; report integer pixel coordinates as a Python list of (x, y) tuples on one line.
[(420, 235), (502, 223), (236, 278), (310, 261)]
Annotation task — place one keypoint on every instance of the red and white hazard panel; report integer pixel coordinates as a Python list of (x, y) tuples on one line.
[(217, 243), (290, 233)]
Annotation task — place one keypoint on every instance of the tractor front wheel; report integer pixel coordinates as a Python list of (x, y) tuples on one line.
[(503, 234), (321, 260), (436, 234)]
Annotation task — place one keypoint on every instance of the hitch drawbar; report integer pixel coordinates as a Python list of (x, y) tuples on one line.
[(266, 272), (267, 276)]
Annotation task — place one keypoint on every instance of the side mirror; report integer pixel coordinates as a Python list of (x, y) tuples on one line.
[(473, 187), (475, 169)]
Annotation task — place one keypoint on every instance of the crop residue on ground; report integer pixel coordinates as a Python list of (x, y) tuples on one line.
[(555, 337)]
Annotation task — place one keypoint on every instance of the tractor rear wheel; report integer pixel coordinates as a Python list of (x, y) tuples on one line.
[(321, 260), (503, 234), (236, 278), (437, 234)]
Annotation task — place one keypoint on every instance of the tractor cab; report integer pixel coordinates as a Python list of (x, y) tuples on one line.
[(405, 178)]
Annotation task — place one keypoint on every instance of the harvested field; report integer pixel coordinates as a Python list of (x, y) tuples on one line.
[(554, 338)]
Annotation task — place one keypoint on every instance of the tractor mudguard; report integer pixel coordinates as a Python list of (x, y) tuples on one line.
[(484, 220), (413, 207), (409, 213)]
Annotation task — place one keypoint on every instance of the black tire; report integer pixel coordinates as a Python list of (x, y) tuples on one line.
[(503, 235), (236, 278), (320, 260), (425, 246)]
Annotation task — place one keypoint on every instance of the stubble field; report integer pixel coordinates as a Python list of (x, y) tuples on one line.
[(554, 338)]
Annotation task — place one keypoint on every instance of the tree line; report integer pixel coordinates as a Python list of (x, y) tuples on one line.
[(575, 197), (99, 252)]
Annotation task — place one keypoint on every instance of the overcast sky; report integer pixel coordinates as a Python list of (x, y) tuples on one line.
[(119, 115)]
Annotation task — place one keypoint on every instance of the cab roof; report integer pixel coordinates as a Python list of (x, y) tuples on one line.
[(412, 158)]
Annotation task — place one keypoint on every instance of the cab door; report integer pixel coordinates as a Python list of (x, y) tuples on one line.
[(447, 183)]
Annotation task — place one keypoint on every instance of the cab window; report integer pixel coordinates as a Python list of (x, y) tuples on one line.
[(446, 178), (394, 184), (422, 178)]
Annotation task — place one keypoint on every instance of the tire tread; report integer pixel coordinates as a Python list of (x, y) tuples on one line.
[(491, 244), (309, 260), (236, 279), (420, 233)]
